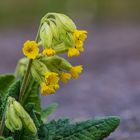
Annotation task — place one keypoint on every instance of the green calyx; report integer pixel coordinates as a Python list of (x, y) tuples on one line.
[(16, 117)]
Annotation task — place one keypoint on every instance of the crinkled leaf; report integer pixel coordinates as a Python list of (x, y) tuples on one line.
[(48, 111), (12, 91), (5, 82), (31, 96), (95, 129)]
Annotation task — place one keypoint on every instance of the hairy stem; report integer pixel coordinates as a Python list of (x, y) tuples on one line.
[(25, 80), (27, 74), (23, 87)]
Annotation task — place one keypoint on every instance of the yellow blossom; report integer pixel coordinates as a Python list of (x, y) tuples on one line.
[(73, 52), (51, 78), (75, 71), (49, 52), (79, 46), (50, 85), (79, 38), (30, 49), (65, 77), (55, 86), (46, 89)]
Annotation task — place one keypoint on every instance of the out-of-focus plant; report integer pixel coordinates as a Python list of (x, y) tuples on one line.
[(21, 115)]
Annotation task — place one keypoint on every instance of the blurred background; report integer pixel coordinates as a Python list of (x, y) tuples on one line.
[(110, 83)]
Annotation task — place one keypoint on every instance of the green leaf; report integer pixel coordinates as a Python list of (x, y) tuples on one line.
[(95, 129), (49, 110), (2, 138), (5, 82), (29, 138), (31, 96), (12, 91), (9, 138), (24, 135)]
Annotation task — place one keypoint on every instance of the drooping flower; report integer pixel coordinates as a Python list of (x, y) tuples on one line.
[(30, 49), (75, 71), (73, 52), (51, 78), (65, 77), (49, 52), (79, 38), (55, 86), (45, 89), (51, 83)]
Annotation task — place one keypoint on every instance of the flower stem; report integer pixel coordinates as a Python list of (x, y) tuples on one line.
[(27, 74), (25, 80), (22, 89)]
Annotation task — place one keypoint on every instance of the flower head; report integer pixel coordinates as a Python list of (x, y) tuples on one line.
[(49, 52), (79, 38), (75, 71), (55, 86), (65, 77), (30, 49), (46, 89), (73, 52), (51, 78)]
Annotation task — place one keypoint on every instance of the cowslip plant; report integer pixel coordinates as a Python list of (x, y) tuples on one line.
[(41, 71)]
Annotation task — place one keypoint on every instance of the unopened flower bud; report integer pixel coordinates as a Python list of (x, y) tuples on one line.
[(12, 120), (67, 22), (26, 119), (58, 62), (46, 35), (54, 30), (38, 70)]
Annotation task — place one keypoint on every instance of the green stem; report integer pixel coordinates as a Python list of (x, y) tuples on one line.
[(2, 124), (23, 87), (27, 74), (27, 93), (25, 80)]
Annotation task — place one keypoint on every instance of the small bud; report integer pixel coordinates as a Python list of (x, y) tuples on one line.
[(66, 21), (12, 120), (58, 62), (26, 119), (9, 126), (38, 70), (54, 30), (46, 35), (67, 38)]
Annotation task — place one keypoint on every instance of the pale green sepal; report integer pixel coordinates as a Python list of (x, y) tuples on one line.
[(46, 35)]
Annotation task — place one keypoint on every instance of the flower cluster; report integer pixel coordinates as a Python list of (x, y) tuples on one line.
[(57, 34)]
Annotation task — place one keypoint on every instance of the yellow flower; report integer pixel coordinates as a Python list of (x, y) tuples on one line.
[(46, 89), (79, 38), (75, 71), (55, 87), (65, 77), (73, 52), (51, 78), (79, 46), (30, 49), (49, 52), (50, 85)]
